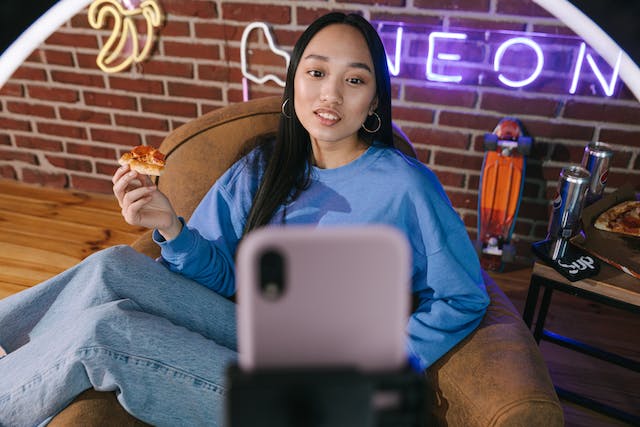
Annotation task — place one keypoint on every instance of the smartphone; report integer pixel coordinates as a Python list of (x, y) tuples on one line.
[(323, 297)]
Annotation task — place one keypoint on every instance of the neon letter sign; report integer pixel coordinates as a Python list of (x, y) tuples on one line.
[(442, 56), (500, 52), (608, 88)]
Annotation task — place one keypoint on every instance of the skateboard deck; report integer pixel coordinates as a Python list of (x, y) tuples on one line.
[(501, 183)]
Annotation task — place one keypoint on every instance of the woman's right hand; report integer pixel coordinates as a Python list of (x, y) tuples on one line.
[(143, 204)]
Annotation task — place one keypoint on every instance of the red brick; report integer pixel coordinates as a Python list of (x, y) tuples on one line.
[(171, 108), (470, 120), (141, 85), (18, 156), (210, 30), (190, 8), (93, 151), (107, 168), (463, 200), (213, 72), (417, 114), (12, 89), (388, 3), (72, 40), (8, 172), (84, 115), (422, 153), (620, 137), (153, 140), (115, 136), (521, 8), (249, 12), (486, 24), (458, 160), (70, 163), (7, 123), (165, 68), (442, 96), (53, 94), (174, 28), (465, 5), (120, 102), (451, 179), (37, 110), (62, 130), (92, 184), (80, 79), (194, 91), (510, 105), (437, 137), (29, 73), (141, 122), (58, 57), (38, 143), (36, 176), (602, 112), (5, 139), (559, 130), (202, 52), (407, 18)]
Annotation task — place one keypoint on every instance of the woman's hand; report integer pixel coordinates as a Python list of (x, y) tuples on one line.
[(143, 204)]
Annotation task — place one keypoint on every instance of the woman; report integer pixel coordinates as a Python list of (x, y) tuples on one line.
[(162, 334)]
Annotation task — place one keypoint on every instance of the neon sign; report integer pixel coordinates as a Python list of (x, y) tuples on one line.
[(514, 59)]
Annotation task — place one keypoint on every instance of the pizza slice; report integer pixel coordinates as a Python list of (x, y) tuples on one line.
[(145, 160), (622, 218)]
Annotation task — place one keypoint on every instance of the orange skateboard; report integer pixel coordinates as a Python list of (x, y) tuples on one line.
[(501, 183)]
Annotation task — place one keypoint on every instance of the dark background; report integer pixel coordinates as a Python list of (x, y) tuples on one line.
[(619, 18)]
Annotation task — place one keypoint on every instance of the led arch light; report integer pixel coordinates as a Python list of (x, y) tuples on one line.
[(124, 29), (503, 48)]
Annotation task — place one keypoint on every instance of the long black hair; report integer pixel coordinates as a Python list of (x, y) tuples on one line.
[(289, 163)]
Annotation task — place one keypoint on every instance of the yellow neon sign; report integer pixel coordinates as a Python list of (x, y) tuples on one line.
[(124, 29)]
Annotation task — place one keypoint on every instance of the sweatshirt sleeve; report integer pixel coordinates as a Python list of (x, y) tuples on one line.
[(205, 248), (447, 281)]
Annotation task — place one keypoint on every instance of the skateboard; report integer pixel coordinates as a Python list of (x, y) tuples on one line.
[(501, 183)]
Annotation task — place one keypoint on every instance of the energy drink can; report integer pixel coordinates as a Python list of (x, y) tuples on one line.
[(568, 202), (596, 159)]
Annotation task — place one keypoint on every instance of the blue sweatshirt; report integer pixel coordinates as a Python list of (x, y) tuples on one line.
[(382, 186)]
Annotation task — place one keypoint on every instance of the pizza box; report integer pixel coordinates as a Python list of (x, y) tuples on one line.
[(619, 250)]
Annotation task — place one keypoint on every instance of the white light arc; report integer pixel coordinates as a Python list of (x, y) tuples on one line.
[(36, 34), (600, 41)]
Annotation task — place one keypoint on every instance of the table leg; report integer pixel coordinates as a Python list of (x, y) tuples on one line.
[(542, 313), (531, 302)]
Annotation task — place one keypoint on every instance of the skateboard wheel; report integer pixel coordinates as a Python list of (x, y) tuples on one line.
[(490, 142), (524, 145)]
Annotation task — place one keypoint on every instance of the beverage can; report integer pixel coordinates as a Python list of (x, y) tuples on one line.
[(568, 202), (596, 159)]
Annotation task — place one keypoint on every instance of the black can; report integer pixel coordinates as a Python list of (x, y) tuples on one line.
[(596, 159), (568, 202)]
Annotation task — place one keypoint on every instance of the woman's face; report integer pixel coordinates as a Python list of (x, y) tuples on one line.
[(335, 85)]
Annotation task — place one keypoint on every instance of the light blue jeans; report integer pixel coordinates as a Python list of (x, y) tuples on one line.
[(118, 321)]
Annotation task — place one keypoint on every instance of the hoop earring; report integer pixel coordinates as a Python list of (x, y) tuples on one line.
[(377, 128), (284, 104)]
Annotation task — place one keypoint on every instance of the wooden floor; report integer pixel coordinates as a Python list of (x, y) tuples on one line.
[(45, 231)]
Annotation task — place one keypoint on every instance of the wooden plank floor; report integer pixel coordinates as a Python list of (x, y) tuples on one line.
[(45, 231)]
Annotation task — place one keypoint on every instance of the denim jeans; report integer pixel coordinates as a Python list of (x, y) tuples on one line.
[(117, 321)]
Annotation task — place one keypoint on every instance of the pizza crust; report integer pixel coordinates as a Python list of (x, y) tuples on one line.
[(622, 218), (144, 159)]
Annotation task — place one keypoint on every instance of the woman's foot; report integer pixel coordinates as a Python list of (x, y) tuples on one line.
[(2, 352)]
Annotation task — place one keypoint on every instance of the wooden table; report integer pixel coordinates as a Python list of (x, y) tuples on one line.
[(611, 287)]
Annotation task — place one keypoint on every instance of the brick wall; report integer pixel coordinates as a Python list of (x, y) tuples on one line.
[(63, 122)]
